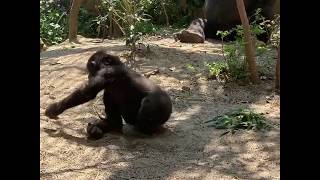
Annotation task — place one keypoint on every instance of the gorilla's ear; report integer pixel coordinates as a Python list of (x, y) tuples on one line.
[(92, 65)]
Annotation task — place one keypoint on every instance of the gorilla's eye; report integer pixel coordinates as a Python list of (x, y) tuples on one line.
[(106, 62)]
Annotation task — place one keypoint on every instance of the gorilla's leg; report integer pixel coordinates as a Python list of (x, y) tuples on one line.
[(148, 117), (113, 122)]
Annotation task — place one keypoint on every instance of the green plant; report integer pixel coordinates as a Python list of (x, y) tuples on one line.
[(52, 22), (234, 65), (86, 24), (216, 69), (129, 16), (259, 25), (190, 67), (233, 52), (240, 119), (146, 27)]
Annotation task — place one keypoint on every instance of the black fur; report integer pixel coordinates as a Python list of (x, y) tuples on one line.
[(127, 95), (223, 15)]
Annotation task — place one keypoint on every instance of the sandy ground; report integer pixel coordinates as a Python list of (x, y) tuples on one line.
[(188, 149)]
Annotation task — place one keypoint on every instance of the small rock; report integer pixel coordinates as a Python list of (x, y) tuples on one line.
[(172, 68), (268, 98), (104, 162), (55, 63), (50, 129), (185, 88), (52, 97), (202, 163)]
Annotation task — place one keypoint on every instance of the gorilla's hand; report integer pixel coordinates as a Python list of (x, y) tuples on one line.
[(53, 110)]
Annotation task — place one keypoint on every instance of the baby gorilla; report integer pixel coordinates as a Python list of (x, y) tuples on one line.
[(127, 95)]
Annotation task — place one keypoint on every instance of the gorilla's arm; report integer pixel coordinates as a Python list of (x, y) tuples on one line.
[(82, 95)]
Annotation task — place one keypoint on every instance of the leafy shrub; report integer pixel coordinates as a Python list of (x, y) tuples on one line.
[(216, 69), (233, 52), (86, 24), (146, 27), (129, 17), (52, 22)]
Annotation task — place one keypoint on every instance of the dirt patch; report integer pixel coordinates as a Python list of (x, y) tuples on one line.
[(187, 150)]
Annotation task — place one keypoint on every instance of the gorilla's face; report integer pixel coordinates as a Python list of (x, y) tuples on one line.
[(100, 60)]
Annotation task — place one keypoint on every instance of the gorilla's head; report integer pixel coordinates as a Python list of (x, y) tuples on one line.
[(102, 60)]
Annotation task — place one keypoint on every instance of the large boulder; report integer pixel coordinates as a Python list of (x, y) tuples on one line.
[(194, 33)]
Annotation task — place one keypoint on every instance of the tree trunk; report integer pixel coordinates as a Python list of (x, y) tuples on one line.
[(277, 86), (277, 7), (110, 28), (73, 20), (249, 48), (165, 12), (183, 5)]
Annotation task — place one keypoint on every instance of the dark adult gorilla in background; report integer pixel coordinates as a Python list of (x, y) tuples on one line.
[(223, 15), (127, 95)]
